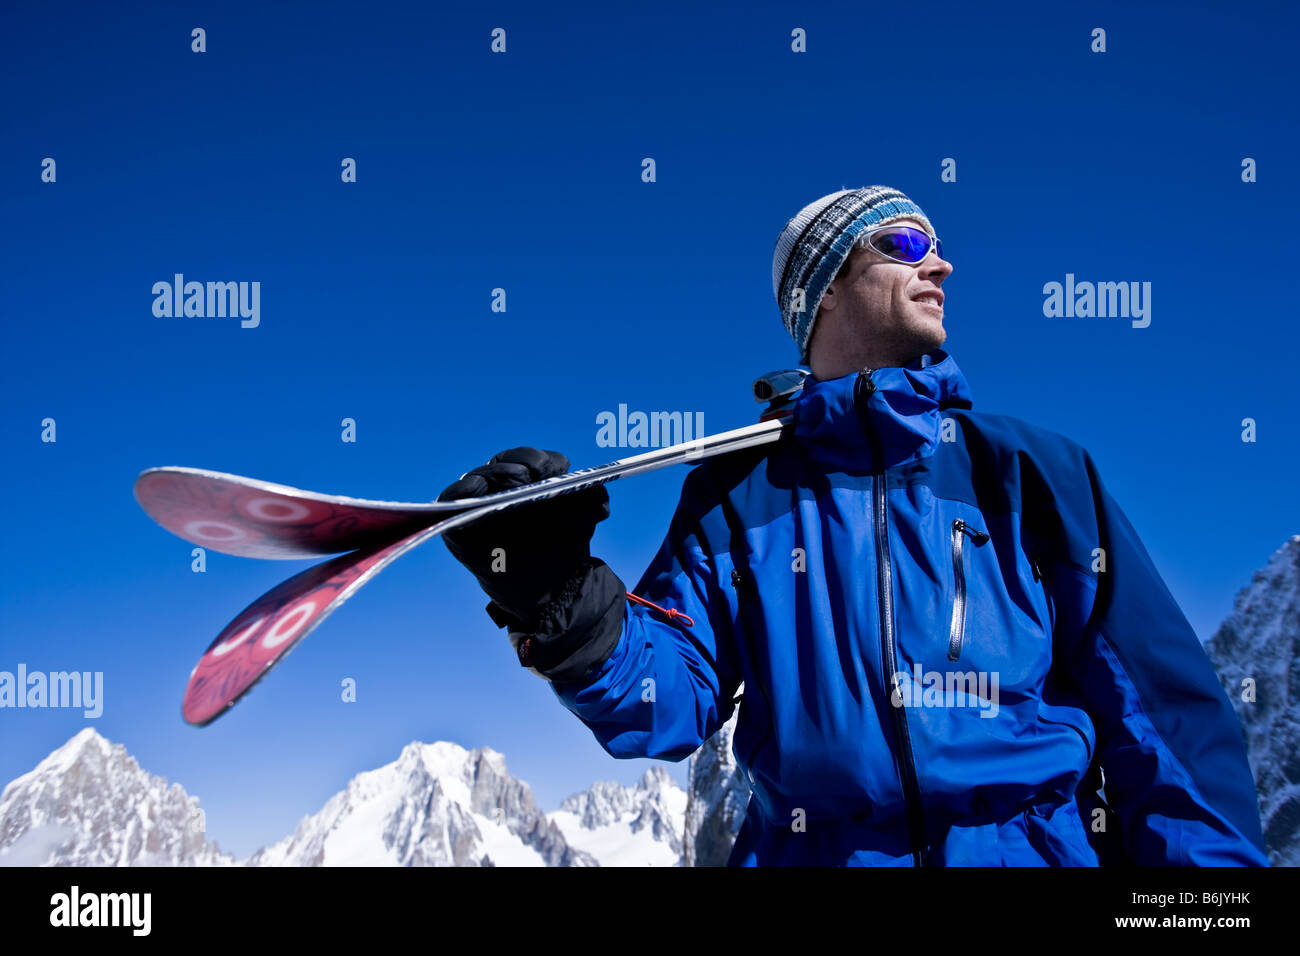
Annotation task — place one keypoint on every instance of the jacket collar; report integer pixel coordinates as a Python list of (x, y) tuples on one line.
[(844, 427)]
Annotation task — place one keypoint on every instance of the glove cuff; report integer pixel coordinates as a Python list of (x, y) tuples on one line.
[(570, 635)]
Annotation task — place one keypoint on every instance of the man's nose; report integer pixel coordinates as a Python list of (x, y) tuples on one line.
[(936, 267)]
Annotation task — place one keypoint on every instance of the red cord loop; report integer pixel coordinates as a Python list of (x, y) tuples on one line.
[(670, 612)]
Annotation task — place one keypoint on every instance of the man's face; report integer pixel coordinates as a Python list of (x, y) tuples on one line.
[(890, 307)]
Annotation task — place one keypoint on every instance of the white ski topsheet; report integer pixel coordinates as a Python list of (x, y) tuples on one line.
[(699, 449), (252, 518)]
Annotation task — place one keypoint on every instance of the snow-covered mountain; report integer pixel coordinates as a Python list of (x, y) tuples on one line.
[(436, 805), (90, 804), (1258, 648), (627, 826), (717, 798)]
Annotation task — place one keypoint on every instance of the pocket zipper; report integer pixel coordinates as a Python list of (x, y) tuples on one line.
[(957, 629)]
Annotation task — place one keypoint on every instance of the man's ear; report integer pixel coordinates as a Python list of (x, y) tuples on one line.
[(827, 301), (828, 297)]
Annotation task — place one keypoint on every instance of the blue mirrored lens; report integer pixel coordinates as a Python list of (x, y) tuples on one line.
[(907, 244)]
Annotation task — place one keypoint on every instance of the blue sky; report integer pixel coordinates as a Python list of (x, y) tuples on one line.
[(523, 171)]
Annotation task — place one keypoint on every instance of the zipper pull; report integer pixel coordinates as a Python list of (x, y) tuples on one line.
[(979, 536), (865, 383)]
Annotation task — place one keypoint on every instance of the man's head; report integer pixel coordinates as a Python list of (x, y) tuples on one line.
[(847, 304), (878, 312)]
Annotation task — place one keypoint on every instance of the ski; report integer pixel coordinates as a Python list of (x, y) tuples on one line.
[(265, 632), (251, 518)]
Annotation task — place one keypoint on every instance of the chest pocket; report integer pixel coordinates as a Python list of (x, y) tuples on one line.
[(960, 533), (1031, 608)]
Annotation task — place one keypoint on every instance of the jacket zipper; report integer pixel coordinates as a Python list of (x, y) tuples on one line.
[(885, 591), (957, 630)]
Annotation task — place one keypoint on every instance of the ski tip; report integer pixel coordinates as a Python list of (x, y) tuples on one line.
[(149, 474), (144, 476), (203, 717), (183, 469)]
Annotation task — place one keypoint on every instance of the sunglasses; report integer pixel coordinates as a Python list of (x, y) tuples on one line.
[(905, 244)]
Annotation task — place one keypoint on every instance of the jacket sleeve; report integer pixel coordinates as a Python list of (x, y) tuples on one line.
[(667, 685), (1168, 741)]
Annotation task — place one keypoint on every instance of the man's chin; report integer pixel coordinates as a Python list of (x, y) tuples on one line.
[(930, 335)]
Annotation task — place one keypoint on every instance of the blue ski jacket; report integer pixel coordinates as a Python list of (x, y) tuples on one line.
[(948, 634)]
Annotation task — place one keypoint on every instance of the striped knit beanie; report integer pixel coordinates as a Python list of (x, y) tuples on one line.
[(814, 244)]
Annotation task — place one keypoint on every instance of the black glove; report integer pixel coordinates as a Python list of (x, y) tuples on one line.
[(534, 562)]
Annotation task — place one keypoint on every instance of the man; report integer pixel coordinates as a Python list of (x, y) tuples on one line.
[(953, 646)]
